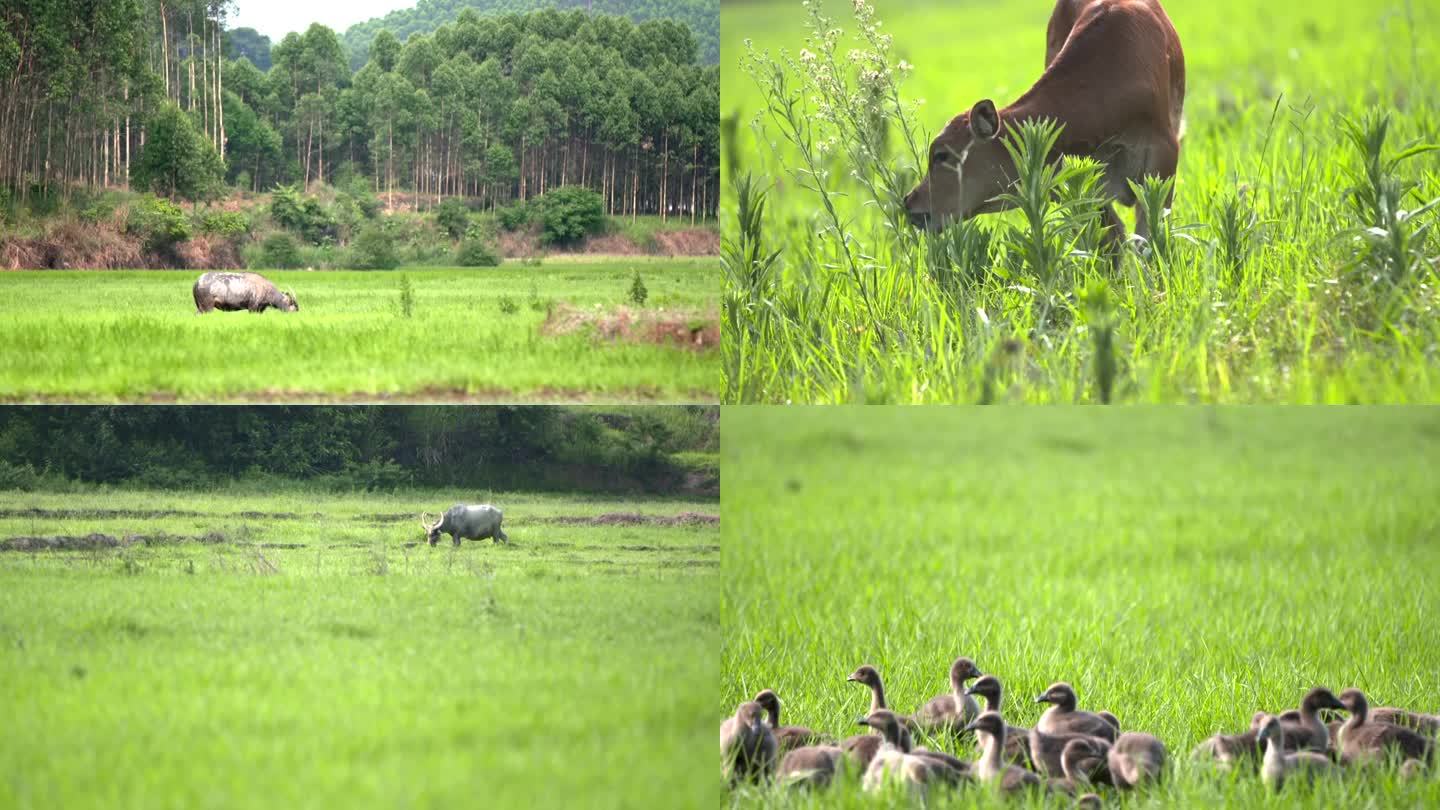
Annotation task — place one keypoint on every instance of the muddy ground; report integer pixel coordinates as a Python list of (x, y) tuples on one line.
[(245, 534)]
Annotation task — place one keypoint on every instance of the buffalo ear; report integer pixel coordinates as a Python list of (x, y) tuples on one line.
[(984, 120)]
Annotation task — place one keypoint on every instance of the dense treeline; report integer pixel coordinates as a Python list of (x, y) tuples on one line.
[(491, 107), (491, 448), (702, 16)]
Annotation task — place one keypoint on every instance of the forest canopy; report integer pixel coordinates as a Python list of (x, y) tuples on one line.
[(532, 447), (494, 107), (702, 16)]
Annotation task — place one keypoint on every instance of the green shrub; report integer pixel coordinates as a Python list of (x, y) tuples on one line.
[(97, 210), (453, 216), (513, 217), (508, 305), (475, 253), (228, 224), (638, 292), (304, 215), (374, 249), (280, 252), (158, 222), (570, 213)]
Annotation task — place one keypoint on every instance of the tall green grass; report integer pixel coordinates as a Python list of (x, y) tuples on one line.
[(421, 335), (314, 659), (1298, 263), (1181, 567)]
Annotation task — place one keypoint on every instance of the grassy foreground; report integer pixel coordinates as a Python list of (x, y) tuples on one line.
[(472, 335), (303, 656), (1275, 286), (1180, 567)]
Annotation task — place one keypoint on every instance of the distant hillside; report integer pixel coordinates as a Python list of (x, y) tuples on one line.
[(702, 16)]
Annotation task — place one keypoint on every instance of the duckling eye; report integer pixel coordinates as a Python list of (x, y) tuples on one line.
[(938, 158)]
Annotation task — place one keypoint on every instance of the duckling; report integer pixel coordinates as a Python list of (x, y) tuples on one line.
[(1425, 724), (893, 761), (1364, 740), (1046, 750), (861, 749), (1412, 769), (1017, 739), (947, 714), (1135, 759), (1109, 718), (1082, 757), (1227, 751), (789, 738), (989, 727), (810, 766), (1278, 765), (747, 748), (870, 676), (1063, 718), (1306, 732)]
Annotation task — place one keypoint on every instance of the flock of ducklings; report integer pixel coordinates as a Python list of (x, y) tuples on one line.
[(1067, 752)]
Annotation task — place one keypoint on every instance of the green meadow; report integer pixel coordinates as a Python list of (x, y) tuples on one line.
[(1297, 264), (1182, 568), (411, 335), (302, 649)]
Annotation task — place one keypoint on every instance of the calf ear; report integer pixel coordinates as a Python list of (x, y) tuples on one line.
[(984, 120)]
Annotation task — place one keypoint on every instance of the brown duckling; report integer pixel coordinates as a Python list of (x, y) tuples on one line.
[(1109, 718), (1063, 718), (1364, 740), (1278, 765), (870, 676), (1424, 724), (789, 738), (894, 761), (747, 748), (991, 768), (1136, 759), (1230, 750), (1082, 757), (810, 766), (1306, 731), (948, 714), (1017, 739), (861, 749), (1046, 750)]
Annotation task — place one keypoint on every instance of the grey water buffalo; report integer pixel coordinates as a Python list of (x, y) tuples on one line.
[(236, 291), (466, 522)]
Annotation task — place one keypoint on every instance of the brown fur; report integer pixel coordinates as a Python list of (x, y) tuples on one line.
[(747, 748), (1063, 718), (1114, 78), (1136, 759), (950, 713)]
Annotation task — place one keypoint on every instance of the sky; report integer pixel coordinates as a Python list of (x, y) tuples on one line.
[(276, 18)]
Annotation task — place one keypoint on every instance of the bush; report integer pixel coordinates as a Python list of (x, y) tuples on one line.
[(374, 249), (304, 215), (159, 223), (570, 213), (638, 292), (228, 224), (475, 253), (513, 217), (453, 217), (280, 252)]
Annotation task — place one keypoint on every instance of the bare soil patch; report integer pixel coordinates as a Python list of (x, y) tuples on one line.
[(632, 519), (694, 331), (96, 540)]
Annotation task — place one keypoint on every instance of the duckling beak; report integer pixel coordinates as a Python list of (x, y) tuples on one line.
[(1042, 699), (969, 690), (862, 721), (852, 678)]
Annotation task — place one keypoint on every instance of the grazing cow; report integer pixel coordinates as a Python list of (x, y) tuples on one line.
[(236, 291), (463, 522), (1114, 77)]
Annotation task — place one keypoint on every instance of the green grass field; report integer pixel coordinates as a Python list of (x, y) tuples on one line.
[(134, 336), (1182, 568), (307, 654), (1266, 294)]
